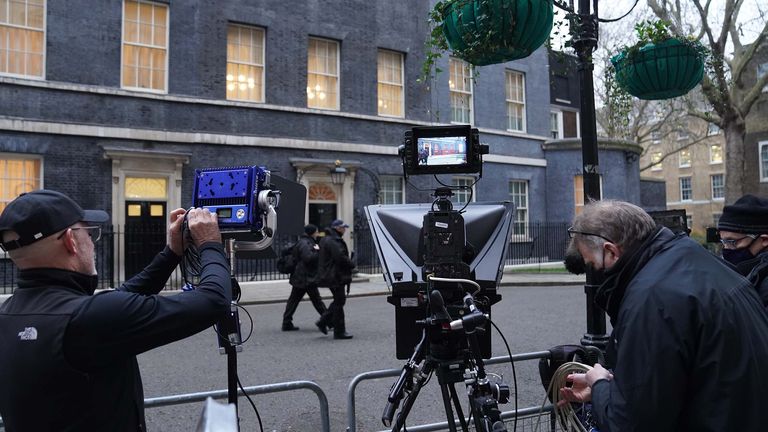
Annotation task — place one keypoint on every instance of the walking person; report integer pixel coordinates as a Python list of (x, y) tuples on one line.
[(335, 272), (304, 277)]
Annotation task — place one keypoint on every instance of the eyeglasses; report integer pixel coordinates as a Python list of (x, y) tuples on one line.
[(93, 231), (572, 232), (731, 243)]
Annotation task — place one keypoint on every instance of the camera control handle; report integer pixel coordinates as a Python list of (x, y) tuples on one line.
[(473, 319)]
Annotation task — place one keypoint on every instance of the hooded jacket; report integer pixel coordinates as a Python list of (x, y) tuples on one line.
[(689, 346), (306, 257), (68, 357), (334, 267)]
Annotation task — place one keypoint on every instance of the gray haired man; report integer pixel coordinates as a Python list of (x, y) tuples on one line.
[(690, 337)]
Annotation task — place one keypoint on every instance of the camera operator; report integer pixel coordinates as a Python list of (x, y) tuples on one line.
[(304, 277), (68, 357), (334, 271), (690, 337), (743, 229)]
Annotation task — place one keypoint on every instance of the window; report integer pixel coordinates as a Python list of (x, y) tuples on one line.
[(460, 84), (685, 158), (515, 101), (683, 133), (715, 154), (712, 129), (391, 190), (145, 45), (245, 63), (762, 69), (718, 186), (22, 38), (554, 124), (323, 74), (391, 101), (686, 192), (578, 192), (763, 145), (465, 194), (18, 174), (518, 194), (656, 137), (656, 160)]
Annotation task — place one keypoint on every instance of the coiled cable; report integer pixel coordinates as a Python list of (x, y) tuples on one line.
[(565, 414)]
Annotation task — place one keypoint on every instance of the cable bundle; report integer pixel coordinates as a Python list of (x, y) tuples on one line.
[(565, 414)]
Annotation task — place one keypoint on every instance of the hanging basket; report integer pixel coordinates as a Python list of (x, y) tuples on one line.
[(485, 32), (660, 71)]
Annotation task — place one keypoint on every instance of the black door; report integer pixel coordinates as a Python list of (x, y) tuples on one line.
[(145, 234), (322, 214)]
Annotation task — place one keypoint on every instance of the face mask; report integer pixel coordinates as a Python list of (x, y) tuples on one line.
[(735, 256)]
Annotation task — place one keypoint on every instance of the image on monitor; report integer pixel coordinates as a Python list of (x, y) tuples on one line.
[(437, 151)]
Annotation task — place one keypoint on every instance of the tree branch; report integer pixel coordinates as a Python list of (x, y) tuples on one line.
[(752, 95), (675, 151), (742, 60)]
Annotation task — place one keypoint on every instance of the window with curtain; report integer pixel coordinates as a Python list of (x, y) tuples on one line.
[(518, 194), (22, 38), (685, 158), (515, 90), (390, 84), (656, 160), (18, 174), (145, 46), (715, 153), (323, 74), (391, 190), (460, 85), (245, 63)]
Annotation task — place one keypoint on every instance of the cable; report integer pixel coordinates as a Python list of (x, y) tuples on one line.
[(471, 282), (565, 414), (258, 417), (604, 20), (514, 373)]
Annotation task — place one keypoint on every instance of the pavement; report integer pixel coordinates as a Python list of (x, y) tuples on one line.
[(277, 291)]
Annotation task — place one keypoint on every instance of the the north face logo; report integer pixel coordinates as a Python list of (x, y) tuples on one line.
[(29, 333)]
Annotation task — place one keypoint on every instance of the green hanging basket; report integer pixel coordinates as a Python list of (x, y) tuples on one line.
[(664, 70), (485, 32)]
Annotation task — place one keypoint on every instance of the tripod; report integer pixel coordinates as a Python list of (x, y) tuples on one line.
[(442, 355)]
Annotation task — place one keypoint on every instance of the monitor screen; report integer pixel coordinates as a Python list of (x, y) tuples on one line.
[(434, 151), (224, 212)]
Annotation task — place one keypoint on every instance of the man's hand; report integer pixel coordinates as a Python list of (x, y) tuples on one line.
[(203, 226), (581, 389), (175, 235)]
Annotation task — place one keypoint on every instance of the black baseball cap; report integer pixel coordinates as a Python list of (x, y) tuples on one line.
[(338, 223), (38, 214)]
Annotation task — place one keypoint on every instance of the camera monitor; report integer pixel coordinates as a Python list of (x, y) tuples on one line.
[(442, 150)]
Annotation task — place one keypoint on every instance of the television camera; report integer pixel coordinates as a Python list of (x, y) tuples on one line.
[(443, 266)]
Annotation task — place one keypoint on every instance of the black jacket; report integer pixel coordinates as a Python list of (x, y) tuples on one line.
[(334, 266), (689, 343), (756, 270), (68, 358), (306, 255)]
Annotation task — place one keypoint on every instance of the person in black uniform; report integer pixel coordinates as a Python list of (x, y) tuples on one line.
[(335, 272), (304, 277), (68, 357), (743, 229), (690, 337)]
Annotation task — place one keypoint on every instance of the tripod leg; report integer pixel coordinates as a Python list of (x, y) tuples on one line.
[(409, 400), (457, 404), (448, 409)]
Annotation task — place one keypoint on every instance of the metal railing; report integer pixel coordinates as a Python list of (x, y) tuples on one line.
[(524, 412)]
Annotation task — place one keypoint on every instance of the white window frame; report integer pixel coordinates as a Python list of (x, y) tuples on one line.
[(722, 156), (557, 116), (712, 129), (240, 62), (383, 191), (471, 91), (469, 181), (44, 30), (167, 47), (401, 84), (517, 236), (338, 73), (658, 165), (763, 172), (690, 188), (510, 102), (762, 69), (683, 164), (712, 186), (656, 137)]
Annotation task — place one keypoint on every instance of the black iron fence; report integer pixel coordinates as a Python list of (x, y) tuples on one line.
[(535, 242)]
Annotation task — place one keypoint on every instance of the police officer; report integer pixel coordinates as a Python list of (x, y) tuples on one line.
[(335, 272)]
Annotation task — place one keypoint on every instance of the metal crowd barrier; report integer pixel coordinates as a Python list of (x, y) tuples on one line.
[(253, 390), (352, 418)]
